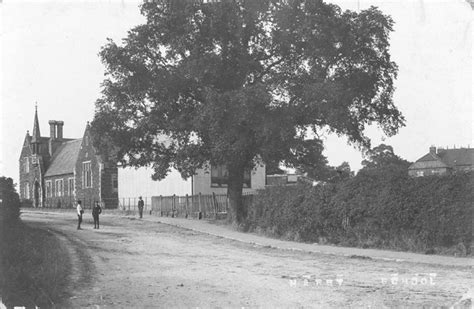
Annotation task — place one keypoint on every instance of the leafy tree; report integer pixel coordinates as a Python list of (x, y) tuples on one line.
[(343, 171), (9, 202), (243, 83), (382, 156), (273, 168), (331, 173)]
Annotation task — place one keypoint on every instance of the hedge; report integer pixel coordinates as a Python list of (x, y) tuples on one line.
[(10, 202), (379, 208)]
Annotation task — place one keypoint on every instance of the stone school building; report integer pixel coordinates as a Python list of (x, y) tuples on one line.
[(56, 171)]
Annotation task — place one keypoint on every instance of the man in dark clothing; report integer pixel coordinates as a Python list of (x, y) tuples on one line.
[(96, 211), (140, 207)]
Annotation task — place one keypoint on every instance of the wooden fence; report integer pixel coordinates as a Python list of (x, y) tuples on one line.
[(70, 202), (188, 206)]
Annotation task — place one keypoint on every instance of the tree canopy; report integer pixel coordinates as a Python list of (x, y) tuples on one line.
[(382, 156), (242, 83)]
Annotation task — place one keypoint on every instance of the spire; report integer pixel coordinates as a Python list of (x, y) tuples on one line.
[(36, 129)]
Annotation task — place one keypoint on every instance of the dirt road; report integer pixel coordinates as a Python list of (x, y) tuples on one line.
[(135, 263)]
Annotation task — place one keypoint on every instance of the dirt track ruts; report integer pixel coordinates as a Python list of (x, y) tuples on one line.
[(134, 263)]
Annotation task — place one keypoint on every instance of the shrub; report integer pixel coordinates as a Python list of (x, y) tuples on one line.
[(382, 208), (33, 263), (10, 205)]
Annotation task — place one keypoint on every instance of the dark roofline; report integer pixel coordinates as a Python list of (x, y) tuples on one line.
[(55, 175), (62, 167), (443, 155)]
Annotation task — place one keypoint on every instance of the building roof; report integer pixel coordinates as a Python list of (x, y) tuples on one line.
[(429, 157), (36, 129), (456, 157), (64, 159), (450, 157)]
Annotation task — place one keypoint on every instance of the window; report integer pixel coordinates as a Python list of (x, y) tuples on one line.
[(220, 176), (420, 173), (27, 165), (86, 175), (70, 187), (59, 187), (27, 190), (48, 188), (114, 183)]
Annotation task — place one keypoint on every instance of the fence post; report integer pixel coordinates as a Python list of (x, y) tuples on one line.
[(200, 212), (214, 202), (173, 205), (227, 204), (186, 206), (161, 205)]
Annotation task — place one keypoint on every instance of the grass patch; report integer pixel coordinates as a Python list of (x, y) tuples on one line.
[(34, 266)]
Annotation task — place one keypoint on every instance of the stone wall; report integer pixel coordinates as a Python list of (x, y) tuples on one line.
[(87, 194), (109, 186), (427, 168), (65, 198), (29, 177)]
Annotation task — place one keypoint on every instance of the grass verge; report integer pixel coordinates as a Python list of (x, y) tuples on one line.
[(34, 267)]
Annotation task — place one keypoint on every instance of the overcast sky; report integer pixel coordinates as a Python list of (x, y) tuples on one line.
[(49, 55)]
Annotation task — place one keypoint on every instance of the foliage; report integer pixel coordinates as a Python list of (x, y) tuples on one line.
[(240, 82), (381, 208), (33, 265), (332, 174), (34, 268), (382, 156), (10, 205)]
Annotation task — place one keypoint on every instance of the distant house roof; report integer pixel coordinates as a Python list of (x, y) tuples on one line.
[(450, 157), (64, 159), (456, 157), (432, 157)]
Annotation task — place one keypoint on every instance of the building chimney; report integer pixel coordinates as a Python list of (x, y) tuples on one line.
[(59, 129), (52, 129), (433, 150)]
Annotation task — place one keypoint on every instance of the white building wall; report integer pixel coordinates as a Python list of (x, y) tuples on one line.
[(137, 182), (202, 182)]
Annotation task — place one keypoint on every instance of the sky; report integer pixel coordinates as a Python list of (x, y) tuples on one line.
[(49, 55)]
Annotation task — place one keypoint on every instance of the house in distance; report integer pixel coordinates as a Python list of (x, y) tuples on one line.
[(443, 161), (137, 182), (56, 171)]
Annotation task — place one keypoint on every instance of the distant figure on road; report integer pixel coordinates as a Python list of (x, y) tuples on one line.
[(140, 207), (96, 211), (80, 211)]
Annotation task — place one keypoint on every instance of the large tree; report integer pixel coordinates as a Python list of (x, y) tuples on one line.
[(382, 156), (242, 83)]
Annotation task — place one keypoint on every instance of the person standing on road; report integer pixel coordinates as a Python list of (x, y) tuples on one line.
[(96, 211), (141, 204), (80, 211)]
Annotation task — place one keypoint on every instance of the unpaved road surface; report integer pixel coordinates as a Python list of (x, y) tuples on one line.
[(131, 263)]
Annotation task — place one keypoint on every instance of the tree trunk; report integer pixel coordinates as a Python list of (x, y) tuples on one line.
[(236, 213)]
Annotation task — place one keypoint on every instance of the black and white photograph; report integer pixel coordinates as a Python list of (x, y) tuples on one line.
[(236, 154)]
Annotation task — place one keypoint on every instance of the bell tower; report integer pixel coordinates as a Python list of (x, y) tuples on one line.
[(36, 138), (34, 179)]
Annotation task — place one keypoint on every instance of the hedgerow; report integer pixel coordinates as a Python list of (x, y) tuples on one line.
[(380, 208), (34, 265), (9, 202)]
